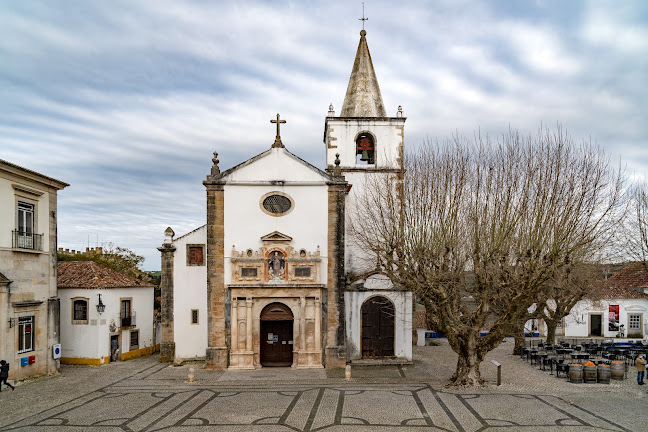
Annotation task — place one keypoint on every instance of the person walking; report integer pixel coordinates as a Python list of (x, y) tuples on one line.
[(4, 374), (641, 369)]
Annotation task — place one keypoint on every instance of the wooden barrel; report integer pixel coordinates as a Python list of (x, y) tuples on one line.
[(617, 370), (589, 374), (603, 374), (575, 373)]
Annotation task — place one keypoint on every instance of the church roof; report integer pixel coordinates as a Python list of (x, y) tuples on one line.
[(322, 174), (89, 274), (363, 98)]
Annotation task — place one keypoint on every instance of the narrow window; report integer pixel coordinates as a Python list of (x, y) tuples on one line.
[(365, 150), (125, 313), (25, 233), (134, 339), (25, 334), (194, 316), (80, 311)]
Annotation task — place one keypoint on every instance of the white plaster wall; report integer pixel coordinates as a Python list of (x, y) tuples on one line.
[(403, 321), (7, 213), (190, 292), (92, 340), (246, 223), (577, 322), (356, 260), (388, 136), (81, 340)]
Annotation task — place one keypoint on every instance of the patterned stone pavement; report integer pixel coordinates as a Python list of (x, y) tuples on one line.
[(143, 395)]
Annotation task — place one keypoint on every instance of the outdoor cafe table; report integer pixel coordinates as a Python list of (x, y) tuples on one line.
[(563, 351), (580, 356)]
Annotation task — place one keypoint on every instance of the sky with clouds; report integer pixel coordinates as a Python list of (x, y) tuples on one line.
[(127, 100)]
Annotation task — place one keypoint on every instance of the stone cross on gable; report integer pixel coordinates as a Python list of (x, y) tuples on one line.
[(278, 142)]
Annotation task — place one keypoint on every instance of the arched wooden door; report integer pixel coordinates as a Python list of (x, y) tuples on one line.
[(276, 335), (377, 328)]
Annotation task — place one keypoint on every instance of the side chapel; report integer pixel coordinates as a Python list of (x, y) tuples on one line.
[(272, 279)]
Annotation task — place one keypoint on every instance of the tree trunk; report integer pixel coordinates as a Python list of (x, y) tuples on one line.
[(551, 330), (520, 340), (467, 371)]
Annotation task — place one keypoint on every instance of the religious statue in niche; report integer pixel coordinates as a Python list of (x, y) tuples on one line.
[(276, 266)]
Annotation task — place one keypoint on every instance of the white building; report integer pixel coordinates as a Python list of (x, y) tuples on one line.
[(623, 301), (103, 310), (29, 306), (271, 280)]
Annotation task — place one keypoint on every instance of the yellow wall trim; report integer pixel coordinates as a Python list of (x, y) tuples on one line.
[(84, 361), (80, 361), (137, 353)]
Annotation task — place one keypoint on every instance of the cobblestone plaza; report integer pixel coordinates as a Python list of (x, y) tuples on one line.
[(144, 395)]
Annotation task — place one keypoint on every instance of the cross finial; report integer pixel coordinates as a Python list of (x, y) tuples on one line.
[(278, 142), (363, 19)]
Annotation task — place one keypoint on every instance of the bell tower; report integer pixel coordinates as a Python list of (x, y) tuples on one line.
[(366, 139), (364, 136)]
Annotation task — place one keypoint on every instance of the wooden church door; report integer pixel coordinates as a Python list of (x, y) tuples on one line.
[(377, 328), (276, 335)]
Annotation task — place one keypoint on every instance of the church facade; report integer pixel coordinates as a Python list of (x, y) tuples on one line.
[(272, 278)]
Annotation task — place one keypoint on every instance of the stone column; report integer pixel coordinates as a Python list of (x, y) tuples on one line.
[(217, 355), (248, 326), (334, 310), (167, 345), (235, 336), (302, 325), (318, 324)]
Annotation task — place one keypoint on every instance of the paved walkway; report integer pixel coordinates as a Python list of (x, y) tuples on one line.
[(144, 395)]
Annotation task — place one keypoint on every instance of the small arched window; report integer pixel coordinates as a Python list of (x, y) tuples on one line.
[(365, 150)]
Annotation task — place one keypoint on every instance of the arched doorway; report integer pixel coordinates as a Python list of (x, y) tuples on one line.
[(377, 328), (276, 335)]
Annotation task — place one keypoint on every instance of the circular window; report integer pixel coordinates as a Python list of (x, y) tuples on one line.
[(276, 204)]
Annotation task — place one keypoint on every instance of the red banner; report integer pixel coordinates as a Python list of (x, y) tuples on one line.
[(613, 318)]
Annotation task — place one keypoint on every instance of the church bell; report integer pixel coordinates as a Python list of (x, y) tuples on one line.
[(365, 156)]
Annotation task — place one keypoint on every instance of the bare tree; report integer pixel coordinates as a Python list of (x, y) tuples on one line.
[(638, 232), (568, 286), (477, 229)]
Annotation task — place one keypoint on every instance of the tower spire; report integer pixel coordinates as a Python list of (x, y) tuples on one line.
[(363, 98)]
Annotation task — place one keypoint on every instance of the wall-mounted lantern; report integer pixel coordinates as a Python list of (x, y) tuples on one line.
[(100, 306)]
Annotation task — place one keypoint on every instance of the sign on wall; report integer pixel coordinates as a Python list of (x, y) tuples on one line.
[(613, 318)]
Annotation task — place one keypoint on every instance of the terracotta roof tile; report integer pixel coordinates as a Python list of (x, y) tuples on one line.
[(634, 275), (89, 274)]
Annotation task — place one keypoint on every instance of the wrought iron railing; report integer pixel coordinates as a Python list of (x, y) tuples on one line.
[(127, 320), (25, 240)]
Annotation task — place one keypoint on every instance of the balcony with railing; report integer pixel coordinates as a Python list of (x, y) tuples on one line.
[(27, 240), (127, 320)]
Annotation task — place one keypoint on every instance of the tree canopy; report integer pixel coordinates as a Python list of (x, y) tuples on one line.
[(478, 229)]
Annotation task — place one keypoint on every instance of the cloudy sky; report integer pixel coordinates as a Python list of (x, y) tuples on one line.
[(127, 100)]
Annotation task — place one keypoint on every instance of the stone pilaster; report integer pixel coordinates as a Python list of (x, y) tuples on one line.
[(167, 345), (333, 311), (217, 339)]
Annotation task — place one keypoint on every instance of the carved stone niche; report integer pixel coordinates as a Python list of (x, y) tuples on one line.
[(259, 265)]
